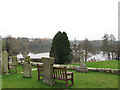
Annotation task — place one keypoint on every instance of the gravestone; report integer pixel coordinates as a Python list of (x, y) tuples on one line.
[(82, 67), (13, 64), (0, 55), (27, 72), (0, 63), (4, 62), (48, 70), (14, 60)]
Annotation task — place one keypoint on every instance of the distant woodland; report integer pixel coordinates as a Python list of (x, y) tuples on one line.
[(108, 45), (22, 44), (37, 45)]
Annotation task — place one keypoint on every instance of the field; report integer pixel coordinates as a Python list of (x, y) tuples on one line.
[(81, 80)]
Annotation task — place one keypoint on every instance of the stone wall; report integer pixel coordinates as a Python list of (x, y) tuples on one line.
[(71, 67), (107, 70)]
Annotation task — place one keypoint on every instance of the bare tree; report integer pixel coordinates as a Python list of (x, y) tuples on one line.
[(112, 44), (105, 45), (87, 46)]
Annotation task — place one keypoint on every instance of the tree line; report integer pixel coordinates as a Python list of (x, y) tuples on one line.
[(63, 50), (15, 46), (108, 45)]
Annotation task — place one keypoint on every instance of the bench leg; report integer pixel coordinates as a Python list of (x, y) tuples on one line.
[(72, 79), (9, 70), (16, 69), (38, 77), (66, 83), (38, 74)]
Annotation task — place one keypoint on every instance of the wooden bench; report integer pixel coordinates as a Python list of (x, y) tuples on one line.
[(59, 73)]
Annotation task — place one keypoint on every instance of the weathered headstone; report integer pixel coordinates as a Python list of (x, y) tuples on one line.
[(27, 72), (82, 67), (14, 60), (0, 62), (4, 62), (48, 70), (0, 55), (13, 64)]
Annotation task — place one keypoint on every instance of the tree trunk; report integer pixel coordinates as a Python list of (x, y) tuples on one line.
[(118, 55), (75, 51), (108, 56), (85, 56), (112, 55)]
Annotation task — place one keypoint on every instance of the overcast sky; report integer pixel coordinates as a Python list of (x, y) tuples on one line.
[(80, 19)]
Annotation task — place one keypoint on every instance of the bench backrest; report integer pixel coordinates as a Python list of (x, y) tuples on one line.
[(58, 72)]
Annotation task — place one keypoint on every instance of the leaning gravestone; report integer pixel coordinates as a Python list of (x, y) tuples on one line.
[(14, 63), (4, 62), (14, 60), (27, 72), (82, 67), (48, 70)]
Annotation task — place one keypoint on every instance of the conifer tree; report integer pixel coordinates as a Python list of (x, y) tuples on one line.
[(60, 48)]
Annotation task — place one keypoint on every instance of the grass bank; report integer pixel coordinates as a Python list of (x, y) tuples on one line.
[(102, 64), (81, 80)]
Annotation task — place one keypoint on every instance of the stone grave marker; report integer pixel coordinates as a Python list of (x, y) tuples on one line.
[(0, 63), (14, 60), (48, 70), (82, 67), (0, 55), (13, 64), (4, 62), (27, 72)]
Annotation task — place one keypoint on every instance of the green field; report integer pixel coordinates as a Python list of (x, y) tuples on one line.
[(103, 64), (81, 80)]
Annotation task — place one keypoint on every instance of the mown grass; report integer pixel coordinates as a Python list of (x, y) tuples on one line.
[(81, 80), (102, 64)]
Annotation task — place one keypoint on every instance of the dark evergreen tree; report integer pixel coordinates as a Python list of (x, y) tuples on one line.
[(60, 48)]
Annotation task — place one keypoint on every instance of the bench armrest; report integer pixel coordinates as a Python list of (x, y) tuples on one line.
[(69, 73)]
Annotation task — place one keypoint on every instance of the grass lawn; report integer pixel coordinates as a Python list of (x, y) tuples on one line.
[(103, 64), (81, 80)]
